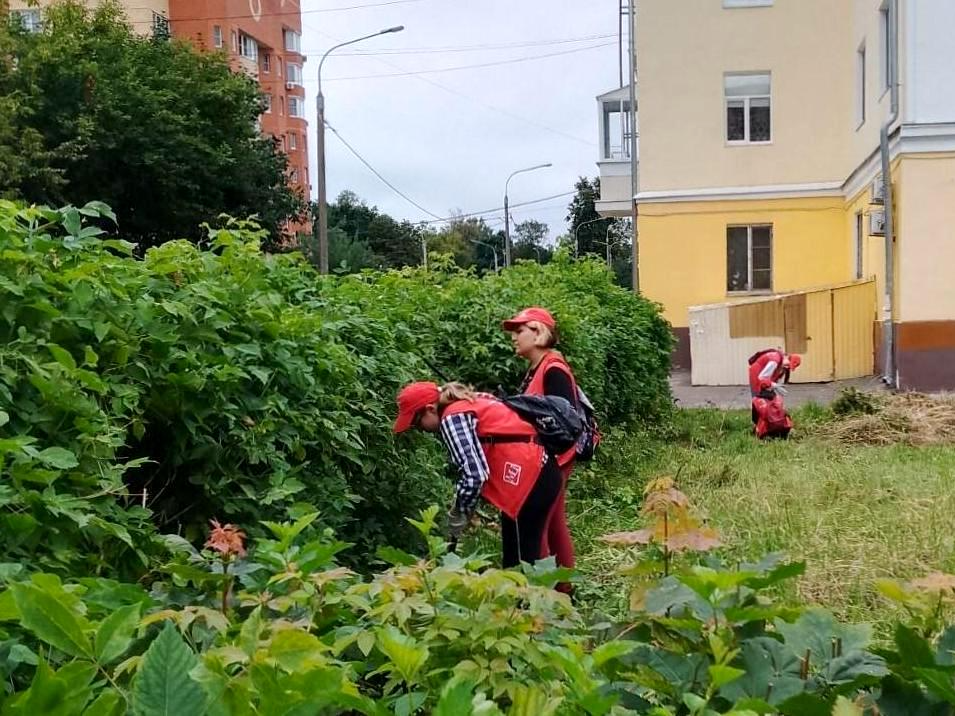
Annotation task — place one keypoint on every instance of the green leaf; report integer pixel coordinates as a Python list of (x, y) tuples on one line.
[(406, 655), (71, 221), (116, 633), (163, 686), (612, 650), (297, 650), (60, 458), (108, 703), (939, 682), (62, 356), (395, 556), (455, 699), (817, 630), (772, 672), (806, 705), (64, 693), (251, 631), (914, 650), (721, 675), (4, 418), (52, 620), (366, 642)]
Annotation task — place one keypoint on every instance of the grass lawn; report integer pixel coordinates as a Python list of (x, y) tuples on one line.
[(853, 514)]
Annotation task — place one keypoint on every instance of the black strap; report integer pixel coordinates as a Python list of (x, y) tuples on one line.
[(502, 439)]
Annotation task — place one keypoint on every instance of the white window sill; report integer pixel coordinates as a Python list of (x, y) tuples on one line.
[(745, 143), (744, 294)]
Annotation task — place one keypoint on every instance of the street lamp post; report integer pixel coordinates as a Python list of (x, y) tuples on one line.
[(320, 232), (577, 232), (507, 218)]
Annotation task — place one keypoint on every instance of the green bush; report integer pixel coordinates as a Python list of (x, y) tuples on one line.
[(224, 383)]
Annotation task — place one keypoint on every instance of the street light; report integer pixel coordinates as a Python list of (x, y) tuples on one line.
[(320, 232), (609, 244), (507, 220), (577, 230)]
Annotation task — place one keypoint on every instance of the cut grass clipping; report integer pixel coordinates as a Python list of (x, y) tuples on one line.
[(902, 419)]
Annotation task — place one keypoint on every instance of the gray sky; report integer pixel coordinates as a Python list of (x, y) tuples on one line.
[(451, 147)]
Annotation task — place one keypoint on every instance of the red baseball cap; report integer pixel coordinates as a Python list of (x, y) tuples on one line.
[(534, 313), (413, 398)]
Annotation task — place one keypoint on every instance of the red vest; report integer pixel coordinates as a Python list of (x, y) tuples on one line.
[(514, 466), (553, 359), (757, 367), (772, 418)]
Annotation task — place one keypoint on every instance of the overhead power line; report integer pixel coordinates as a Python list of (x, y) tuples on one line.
[(470, 48), (480, 103), (437, 219), (499, 208), (374, 171), (471, 67)]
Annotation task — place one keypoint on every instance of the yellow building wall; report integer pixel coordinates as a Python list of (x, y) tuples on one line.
[(683, 248), (925, 188), (684, 47)]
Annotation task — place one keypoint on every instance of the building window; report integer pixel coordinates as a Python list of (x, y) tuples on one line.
[(860, 85), (292, 141), (30, 20), (266, 62), (293, 41), (217, 35), (616, 129), (248, 47), (235, 41), (860, 243), (296, 107), (267, 98), (748, 99), (888, 59), (749, 258), (294, 73), (293, 175), (747, 3)]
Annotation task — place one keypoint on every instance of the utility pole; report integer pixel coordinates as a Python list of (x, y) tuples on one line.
[(632, 18), (320, 226)]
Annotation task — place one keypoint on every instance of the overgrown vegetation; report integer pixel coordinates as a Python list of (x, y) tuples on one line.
[(140, 399), (196, 384)]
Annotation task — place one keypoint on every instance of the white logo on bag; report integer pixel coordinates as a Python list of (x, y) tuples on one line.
[(512, 473)]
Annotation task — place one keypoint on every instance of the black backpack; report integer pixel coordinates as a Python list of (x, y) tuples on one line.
[(590, 436), (559, 426)]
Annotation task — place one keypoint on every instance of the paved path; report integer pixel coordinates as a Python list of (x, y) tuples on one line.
[(737, 396)]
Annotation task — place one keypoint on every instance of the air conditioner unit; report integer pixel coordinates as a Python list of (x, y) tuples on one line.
[(877, 223), (877, 190)]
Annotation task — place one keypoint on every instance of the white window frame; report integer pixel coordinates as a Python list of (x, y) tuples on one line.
[(292, 141), (861, 80), (730, 4), (248, 47), (296, 44), (749, 290), (293, 77), (746, 100), (266, 62), (889, 63), (299, 104), (217, 36), (30, 19), (268, 103)]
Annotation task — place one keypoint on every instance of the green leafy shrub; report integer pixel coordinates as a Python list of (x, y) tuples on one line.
[(196, 383)]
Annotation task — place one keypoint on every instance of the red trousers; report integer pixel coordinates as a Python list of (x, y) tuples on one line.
[(557, 540)]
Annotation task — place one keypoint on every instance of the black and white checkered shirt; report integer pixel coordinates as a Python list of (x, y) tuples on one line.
[(460, 437)]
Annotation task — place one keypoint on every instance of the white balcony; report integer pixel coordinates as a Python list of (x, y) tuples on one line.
[(614, 160)]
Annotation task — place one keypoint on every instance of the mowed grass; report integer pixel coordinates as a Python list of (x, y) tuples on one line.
[(853, 514)]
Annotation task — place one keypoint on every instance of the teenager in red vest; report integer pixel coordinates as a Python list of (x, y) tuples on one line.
[(498, 457), (534, 335)]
